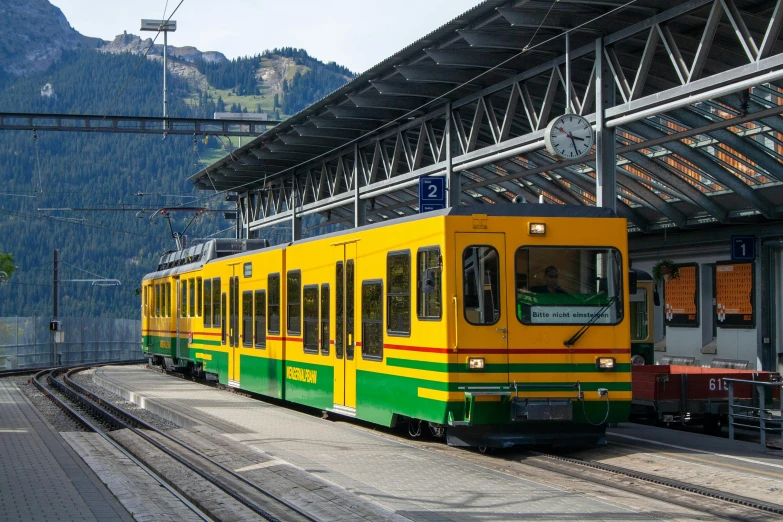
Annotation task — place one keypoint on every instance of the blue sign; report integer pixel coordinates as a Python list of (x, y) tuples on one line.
[(743, 248), (432, 193)]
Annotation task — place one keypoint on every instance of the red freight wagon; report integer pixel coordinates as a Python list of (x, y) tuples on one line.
[(691, 394)]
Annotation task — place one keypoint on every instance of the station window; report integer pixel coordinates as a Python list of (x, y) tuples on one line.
[(481, 290), (183, 287), (324, 319), (168, 299), (398, 293), (260, 319), (247, 318), (273, 284), (310, 337), (372, 319), (216, 302), (294, 295), (207, 303), (200, 299), (428, 285), (192, 295)]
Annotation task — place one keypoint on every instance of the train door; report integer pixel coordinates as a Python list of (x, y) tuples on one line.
[(179, 314), (345, 319), (481, 308), (233, 330)]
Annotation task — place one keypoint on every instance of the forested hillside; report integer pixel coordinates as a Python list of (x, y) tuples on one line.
[(78, 170)]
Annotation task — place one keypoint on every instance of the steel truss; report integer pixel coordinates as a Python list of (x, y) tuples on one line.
[(690, 100), (132, 124)]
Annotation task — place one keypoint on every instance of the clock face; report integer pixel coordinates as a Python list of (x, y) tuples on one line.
[(569, 136)]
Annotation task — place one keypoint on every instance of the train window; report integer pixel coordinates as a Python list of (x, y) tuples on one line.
[(216, 302), (428, 285), (398, 293), (260, 319), (481, 280), (183, 287), (349, 312), (372, 319), (200, 300), (274, 303), (163, 299), (168, 299), (294, 300), (157, 300), (324, 319), (247, 318), (310, 337), (235, 313), (568, 285), (639, 319), (223, 316), (340, 311), (192, 295), (144, 301), (247, 269), (208, 303)]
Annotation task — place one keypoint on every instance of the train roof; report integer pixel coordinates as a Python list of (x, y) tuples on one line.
[(198, 255)]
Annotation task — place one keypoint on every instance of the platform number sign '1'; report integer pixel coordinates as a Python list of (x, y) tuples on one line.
[(432, 193), (743, 248)]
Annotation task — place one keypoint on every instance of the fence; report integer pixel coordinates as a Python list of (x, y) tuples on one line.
[(27, 342), (762, 417)]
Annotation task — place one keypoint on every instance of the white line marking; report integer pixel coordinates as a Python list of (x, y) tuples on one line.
[(262, 465), (743, 459)]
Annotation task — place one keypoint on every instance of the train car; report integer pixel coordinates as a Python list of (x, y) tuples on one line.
[(490, 326), (641, 317)]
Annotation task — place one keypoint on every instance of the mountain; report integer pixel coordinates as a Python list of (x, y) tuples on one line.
[(34, 35), (60, 71)]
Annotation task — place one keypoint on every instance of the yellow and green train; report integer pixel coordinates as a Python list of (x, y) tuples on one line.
[(491, 325)]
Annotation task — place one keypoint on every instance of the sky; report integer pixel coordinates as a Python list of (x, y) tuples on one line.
[(355, 33)]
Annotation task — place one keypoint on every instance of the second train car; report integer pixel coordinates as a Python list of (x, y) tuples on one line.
[(490, 326)]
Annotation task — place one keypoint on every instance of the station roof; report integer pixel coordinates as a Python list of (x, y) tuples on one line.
[(501, 65)]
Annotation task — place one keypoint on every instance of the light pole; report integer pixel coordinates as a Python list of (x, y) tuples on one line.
[(166, 27)]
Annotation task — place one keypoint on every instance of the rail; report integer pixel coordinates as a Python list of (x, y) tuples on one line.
[(754, 417)]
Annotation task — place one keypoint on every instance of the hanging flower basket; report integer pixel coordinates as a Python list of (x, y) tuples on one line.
[(665, 270)]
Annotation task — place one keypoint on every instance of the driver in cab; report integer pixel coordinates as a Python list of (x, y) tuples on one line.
[(551, 276)]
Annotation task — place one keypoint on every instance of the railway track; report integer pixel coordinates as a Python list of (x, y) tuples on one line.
[(101, 416)]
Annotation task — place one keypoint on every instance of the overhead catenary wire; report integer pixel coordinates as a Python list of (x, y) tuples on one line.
[(412, 112)]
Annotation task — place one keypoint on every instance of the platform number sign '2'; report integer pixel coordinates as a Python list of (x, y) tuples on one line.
[(432, 193)]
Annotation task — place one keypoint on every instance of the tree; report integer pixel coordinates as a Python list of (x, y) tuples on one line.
[(277, 101), (6, 265)]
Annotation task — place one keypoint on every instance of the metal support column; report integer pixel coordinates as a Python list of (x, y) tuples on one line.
[(296, 220), (765, 281), (606, 156), (452, 178), (359, 205)]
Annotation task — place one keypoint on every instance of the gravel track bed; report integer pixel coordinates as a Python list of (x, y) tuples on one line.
[(51, 412), (85, 379)]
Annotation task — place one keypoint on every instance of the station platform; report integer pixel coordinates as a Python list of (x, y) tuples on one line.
[(41, 477), (402, 478)]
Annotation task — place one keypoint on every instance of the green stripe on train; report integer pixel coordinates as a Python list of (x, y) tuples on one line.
[(502, 368), (381, 396)]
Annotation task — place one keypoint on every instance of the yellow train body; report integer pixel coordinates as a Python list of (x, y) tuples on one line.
[(444, 318)]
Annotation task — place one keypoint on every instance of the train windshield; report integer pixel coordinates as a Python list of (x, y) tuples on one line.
[(568, 285)]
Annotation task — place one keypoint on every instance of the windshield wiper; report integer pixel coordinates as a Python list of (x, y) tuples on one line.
[(574, 338)]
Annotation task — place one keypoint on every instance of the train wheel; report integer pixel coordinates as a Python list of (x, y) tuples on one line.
[(438, 430), (414, 428), (711, 424)]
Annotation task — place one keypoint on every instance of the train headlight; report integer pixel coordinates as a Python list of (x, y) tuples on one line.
[(475, 363), (604, 363), (537, 229)]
